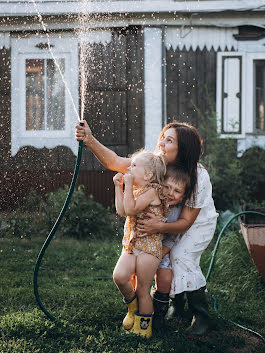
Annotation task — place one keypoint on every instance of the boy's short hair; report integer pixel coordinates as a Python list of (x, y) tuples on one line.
[(179, 174)]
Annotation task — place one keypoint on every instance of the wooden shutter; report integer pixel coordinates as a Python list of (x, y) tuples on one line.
[(229, 94)]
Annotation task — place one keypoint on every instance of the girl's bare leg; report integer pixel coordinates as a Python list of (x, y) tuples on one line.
[(146, 266), (123, 270)]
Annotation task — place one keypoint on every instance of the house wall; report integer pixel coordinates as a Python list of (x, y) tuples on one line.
[(114, 105), (115, 78), (191, 84)]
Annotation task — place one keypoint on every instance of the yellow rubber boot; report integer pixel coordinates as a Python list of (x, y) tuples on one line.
[(142, 325), (132, 305)]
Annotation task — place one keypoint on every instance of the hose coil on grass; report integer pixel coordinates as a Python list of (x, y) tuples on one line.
[(52, 233)]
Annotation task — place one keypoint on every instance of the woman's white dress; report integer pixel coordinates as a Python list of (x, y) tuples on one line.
[(187, 249)]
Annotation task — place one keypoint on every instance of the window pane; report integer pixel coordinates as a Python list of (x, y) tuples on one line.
[(34, 95), (260, 94), (45, 95), (55, 95)]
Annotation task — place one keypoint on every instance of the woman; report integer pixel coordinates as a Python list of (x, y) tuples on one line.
[(180, 143)]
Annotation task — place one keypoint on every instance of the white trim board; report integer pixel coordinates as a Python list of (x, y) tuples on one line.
[(248, 142), (5, 40), (153, 88), (201, 37), (55, 7)]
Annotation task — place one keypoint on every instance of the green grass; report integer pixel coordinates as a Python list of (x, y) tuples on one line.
[(90, 311)]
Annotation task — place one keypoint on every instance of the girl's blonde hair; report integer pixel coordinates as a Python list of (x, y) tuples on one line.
[(153, 163)]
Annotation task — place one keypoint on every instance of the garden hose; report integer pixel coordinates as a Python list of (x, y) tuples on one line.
[(211, 267), (53, 231), (220, 235), (208, 344)]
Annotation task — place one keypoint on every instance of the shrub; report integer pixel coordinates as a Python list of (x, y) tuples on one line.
[(252, 171), (31, 202), (224, 169), (83, 219), (19, 225)]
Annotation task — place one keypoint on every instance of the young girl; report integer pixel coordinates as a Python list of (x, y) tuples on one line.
[(142, 193)]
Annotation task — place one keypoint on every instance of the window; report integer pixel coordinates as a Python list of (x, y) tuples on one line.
[(45, 95), (231, 94), (43, 112), (240, 96), (230, 90), (259, 85)]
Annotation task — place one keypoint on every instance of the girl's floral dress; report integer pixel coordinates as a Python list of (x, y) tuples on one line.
[(150, 244)]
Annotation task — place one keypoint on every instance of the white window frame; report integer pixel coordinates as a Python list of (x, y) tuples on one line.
[(63, 46), (250, 104), (153, 85), (219, 90)]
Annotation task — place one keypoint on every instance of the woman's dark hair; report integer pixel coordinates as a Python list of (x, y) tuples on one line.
[(189, 151)]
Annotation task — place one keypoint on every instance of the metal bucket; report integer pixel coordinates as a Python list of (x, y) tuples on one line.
[(253, 230)]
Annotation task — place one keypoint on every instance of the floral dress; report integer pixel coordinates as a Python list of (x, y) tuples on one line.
[(151, 244), (186, 253)]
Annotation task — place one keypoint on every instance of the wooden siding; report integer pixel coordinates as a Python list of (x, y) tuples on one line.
[(115, 99), (114, 109), (15, 185), (189, 76)]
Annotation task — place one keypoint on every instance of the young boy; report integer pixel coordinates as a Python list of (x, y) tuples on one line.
[(176, 187)]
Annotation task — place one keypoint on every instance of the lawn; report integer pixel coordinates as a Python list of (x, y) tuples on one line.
[(75, 286)]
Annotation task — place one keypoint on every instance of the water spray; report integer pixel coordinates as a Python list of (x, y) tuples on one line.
[(72, 186), (54, 58)]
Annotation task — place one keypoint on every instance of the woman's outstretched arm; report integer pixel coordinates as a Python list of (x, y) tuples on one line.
[(108, 158)]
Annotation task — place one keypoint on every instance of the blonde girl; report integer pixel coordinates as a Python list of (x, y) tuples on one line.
[(142, 193)]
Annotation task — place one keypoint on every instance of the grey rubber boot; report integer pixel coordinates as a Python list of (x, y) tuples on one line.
[(199, 307), (160, 302)]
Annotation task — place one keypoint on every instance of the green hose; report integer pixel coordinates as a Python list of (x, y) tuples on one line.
[(211, 267), (222, 232), (52, 233)]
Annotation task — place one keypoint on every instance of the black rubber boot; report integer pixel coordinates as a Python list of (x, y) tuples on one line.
[(176, 307), (160, 301), (199, 307)]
